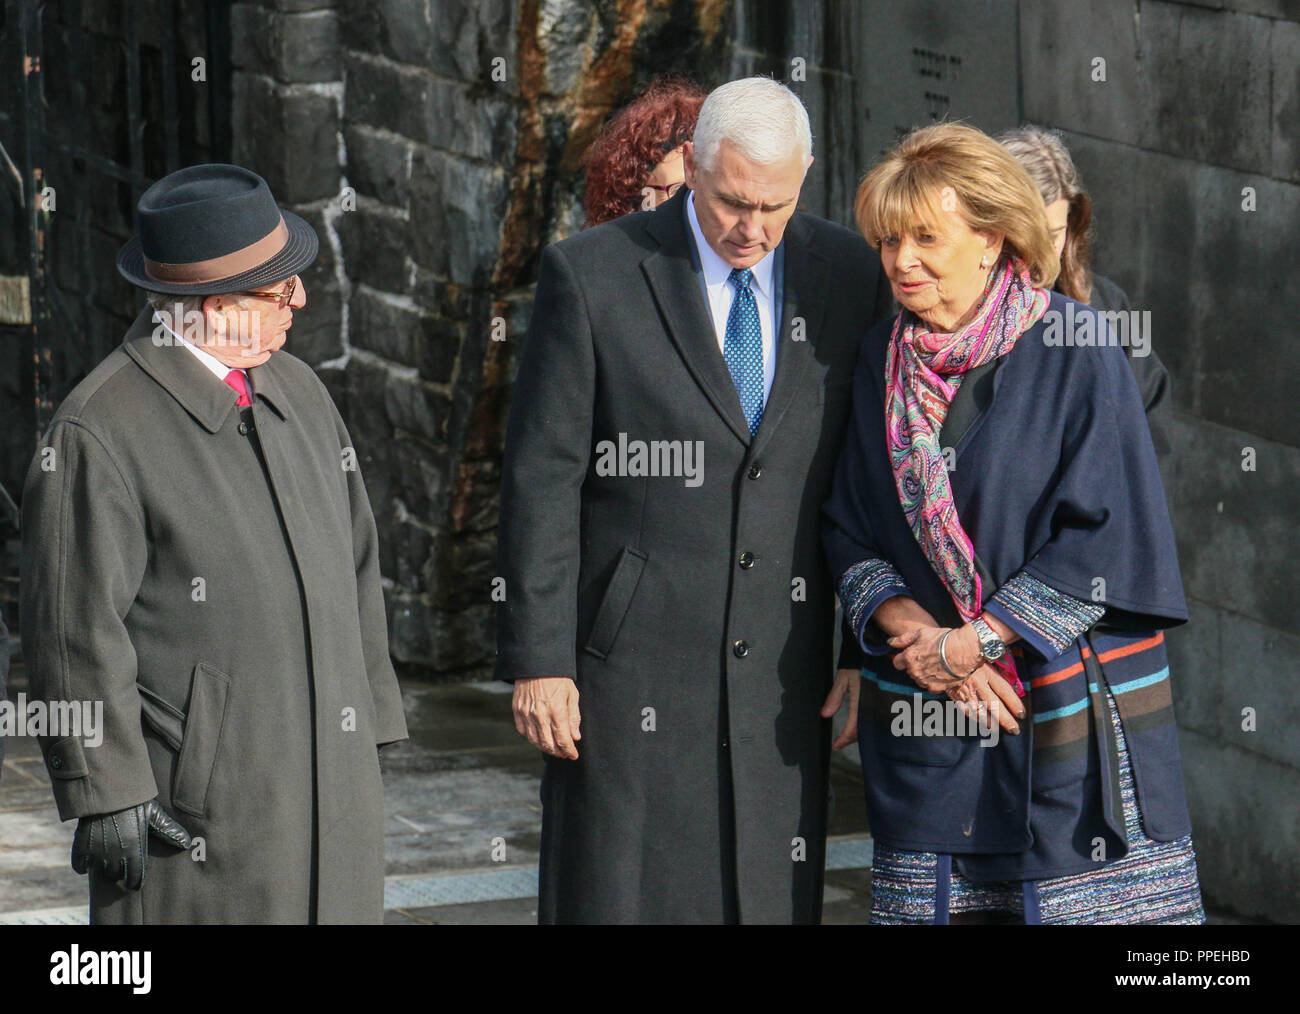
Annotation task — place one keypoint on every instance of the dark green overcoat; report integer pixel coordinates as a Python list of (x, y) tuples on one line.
[(211, 575)]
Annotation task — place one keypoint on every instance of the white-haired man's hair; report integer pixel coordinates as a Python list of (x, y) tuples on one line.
[(166, 302), (182, 314), (762, 118)]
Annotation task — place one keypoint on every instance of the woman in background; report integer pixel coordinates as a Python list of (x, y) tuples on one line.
[(1069, 218), (636, 162)]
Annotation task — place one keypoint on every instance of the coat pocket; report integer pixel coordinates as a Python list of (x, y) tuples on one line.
[(164, 719), (615, 602), (203, 723)]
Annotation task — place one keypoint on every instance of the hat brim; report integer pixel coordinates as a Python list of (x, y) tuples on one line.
[(294, 256)]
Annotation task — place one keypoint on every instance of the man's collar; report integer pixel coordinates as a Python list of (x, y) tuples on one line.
[(179, 372), (218, 368), (716, 270)]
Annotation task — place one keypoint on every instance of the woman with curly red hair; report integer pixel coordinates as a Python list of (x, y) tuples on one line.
[(636, 162)]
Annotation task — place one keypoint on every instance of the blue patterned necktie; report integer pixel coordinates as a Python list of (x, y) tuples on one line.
[(743, 348)]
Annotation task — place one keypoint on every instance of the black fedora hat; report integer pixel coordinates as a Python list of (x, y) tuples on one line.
[(211, 229)]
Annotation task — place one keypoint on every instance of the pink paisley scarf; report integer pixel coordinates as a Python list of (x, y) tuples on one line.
[(923, 370)]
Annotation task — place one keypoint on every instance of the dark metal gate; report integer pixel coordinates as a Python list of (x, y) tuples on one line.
[(100, 100)]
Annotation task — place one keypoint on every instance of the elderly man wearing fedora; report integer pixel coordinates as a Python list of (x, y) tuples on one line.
[(199, 555)]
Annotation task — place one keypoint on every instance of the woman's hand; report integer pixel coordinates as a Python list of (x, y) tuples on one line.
[(986, 693), (918, 656)]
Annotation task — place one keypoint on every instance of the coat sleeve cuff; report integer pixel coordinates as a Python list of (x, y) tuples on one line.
[(78, 792), (863, 588), (850, 650), (1049, 621)]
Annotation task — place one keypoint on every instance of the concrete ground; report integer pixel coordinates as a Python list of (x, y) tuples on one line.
[(463, 822)]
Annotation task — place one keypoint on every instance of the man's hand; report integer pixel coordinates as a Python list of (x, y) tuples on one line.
[(117, 844), (850, 680), (546, 714)]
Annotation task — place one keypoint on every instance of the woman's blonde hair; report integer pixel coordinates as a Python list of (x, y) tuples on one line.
[(995, 193), (1048, 162)]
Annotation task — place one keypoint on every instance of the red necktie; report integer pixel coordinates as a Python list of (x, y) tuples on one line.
[(235, 381)]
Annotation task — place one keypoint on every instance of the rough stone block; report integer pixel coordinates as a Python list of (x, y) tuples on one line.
[(317, 332), (400, 330), (447, 299), (398, 29), (469, 35), (383, 399), (481, 127), (382, 94), (379, 164), (291, 47), (374, 242), (562, 35), (391, 96), (289, 135), (457, 208)]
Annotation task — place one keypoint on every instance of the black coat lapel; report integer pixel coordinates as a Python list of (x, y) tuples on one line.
[(678, 293), (972, 400), (807, 281)]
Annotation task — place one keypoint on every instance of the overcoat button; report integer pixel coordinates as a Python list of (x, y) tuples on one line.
[(755, 471), (56, 762), (740, 649), (746, 560), (243, 429)]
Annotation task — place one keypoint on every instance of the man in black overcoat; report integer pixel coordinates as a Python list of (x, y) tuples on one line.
[(668, 616)]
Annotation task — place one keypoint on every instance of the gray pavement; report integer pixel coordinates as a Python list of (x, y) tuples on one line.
[(462, 822)]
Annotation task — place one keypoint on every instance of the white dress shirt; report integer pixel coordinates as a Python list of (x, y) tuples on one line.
[(218, 368), (722, 292)]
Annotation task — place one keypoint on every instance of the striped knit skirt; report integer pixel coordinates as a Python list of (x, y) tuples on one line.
[(1155, 882)]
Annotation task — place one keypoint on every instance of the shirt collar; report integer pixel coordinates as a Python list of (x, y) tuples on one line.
[(716, 270), (218, 368)]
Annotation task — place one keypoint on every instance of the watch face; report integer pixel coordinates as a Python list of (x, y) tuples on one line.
[(991, 646)]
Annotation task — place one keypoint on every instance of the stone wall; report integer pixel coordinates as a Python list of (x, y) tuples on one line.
[(1201, 110)]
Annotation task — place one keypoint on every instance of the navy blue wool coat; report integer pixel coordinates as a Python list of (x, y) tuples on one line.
[(1053, 475)]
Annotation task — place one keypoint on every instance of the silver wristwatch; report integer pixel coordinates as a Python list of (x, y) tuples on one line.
[(991, 646)]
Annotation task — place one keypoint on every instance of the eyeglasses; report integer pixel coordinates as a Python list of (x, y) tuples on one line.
[(668, 189), (283, 298)]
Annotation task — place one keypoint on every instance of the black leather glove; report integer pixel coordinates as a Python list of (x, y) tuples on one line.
[(118, 843)]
